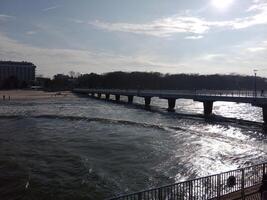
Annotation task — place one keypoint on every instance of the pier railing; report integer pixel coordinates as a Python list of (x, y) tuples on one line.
[(209, 187), (219, 93), (203, 92)]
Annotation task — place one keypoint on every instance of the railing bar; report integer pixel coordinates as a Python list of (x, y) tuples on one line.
[(182, 190), (184, 184), (176, 192), (194, 189), (197, 188), (202, 188), (212, 184), (179, 191), (242, 184)]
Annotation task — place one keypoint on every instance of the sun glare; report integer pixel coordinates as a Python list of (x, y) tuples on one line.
[(221, 4)]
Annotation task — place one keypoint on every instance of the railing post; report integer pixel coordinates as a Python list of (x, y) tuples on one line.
[(190, 190), (243, 184), (140, 196), (218, 186), (160, 193), (263, 169)]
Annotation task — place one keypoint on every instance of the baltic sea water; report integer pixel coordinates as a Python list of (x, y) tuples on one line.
[(84, 148)]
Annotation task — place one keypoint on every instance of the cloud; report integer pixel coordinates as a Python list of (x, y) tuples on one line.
[(193, 37), (259, 18), (212, 57), (31, 32), (166, 27), (53, 61), (260, 47), (6, 17), (161, 28), (50, 8), (256, 49), (77, 21)]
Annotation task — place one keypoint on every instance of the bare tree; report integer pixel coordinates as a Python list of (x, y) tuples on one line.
[(72, 74)]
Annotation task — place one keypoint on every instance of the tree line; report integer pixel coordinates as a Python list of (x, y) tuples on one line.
[(155, 80)]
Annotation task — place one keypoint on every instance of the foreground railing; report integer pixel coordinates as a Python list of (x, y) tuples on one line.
[(210, 187)]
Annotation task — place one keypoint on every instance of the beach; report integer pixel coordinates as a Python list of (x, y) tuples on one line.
[(32, 94)]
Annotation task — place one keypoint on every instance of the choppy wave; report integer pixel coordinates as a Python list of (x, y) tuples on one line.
[(92, 119), (213, 120)]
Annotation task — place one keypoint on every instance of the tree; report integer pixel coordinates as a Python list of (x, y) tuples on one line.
[(72, 74)]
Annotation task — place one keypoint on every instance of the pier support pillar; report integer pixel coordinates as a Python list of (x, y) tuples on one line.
[(264, 113), (147, 101), (92, 94), (130, 99), (99, 95), (107, 96), (208, 107), (117, 97), (171, 104)]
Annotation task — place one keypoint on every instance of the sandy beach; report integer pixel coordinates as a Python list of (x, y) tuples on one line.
[(31, 94)]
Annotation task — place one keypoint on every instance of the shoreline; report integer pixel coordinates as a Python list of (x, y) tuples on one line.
[(9, 95)]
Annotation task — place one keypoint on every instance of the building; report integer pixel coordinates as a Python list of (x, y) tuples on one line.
[(23, 72)]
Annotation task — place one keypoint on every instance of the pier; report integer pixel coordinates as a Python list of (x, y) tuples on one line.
[(207, 97)]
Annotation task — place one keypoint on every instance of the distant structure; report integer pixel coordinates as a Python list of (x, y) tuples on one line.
[(22, 72)]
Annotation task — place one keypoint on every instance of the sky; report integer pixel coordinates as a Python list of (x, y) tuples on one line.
[(167, 36)]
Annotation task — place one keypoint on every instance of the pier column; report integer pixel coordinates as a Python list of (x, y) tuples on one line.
[(147, 101), (171, 104), (208, 107), (130, 99), (107, 96), (92, 94), (264, 113), (99, 95), (117, 97)]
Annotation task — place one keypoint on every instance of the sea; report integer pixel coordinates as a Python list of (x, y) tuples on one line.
[(78, 148)]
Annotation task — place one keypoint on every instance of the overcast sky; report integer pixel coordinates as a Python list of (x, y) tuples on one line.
[(169, 36)]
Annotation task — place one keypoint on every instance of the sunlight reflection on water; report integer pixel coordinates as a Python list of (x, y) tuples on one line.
[(114, 148)]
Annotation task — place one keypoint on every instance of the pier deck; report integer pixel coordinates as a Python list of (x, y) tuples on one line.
[(207, 97)]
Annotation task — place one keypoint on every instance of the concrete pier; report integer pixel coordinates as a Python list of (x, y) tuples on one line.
[(130, 99), (107, 96), (147, 102), (171, 104), (264, 112), (204, 96), (208, 107), (117, 97)]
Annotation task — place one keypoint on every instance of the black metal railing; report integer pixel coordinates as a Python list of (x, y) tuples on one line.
[(209, 187)]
